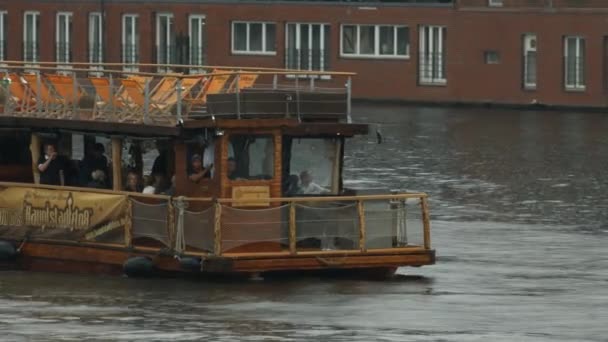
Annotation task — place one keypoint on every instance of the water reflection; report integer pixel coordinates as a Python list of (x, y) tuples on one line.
[(481, 164)]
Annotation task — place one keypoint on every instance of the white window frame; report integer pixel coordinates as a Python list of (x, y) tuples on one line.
[(91, 35), (579, 82), (495, 3), (527, 39), (130, 63), (168, 38), (247, 50), (322, 62), (376, 54), (35, 36), (3, 35), (63, 56), (200, 22), (441, 79)]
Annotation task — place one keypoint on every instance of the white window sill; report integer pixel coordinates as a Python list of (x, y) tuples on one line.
[(530, 87), (254, 53), (438, 82), (300, 76), (393, 57), (576, 89)]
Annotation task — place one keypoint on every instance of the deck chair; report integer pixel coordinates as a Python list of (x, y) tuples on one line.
[(106, 103), (20, 96), (64, 88), (132, 96), (164, 89), (170, 101), (245, 81), (141, 80), (49, 104), (213, 85)]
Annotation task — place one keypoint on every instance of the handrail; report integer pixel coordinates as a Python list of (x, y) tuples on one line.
[(64, 67)]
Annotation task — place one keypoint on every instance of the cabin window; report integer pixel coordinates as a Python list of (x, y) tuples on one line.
[(253, 157), (201, 160), (14, 148), (314, 167)]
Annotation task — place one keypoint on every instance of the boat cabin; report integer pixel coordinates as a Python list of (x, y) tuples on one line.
[(228, 163)]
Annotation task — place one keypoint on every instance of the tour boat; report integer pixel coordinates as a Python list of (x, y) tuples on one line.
[(246, 176)]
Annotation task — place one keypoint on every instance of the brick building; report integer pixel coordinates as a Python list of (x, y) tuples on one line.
[(551, 52)]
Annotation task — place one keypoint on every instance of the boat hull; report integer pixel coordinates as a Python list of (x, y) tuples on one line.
[(110, 260)]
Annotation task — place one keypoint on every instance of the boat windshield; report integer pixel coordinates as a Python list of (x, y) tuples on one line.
[(253, 157), (314, 167)]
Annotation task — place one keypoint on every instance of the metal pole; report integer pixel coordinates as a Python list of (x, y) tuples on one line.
[(297, 99), (348, 100), (179, 100), (147, 101), (238, 95), (275, 81), (111, 90), (312, 82), (38, 97), (75, 98)]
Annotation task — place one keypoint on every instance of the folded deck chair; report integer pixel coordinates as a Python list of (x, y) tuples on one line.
[(187, 86), (65, 88), (106, 103), (20, 96), (213, 85), (50, 105), (245, 81)]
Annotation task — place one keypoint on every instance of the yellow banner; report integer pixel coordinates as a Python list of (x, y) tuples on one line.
[(59, 214)]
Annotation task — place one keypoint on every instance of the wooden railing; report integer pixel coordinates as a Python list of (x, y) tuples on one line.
[(114, 92), (171, 231)]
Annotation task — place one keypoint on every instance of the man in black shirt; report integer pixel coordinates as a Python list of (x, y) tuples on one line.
[(51, 167)]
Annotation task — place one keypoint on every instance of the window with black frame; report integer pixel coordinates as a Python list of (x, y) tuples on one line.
[(253, 157)]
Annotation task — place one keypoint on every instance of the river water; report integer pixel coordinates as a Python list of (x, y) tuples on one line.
[(520, 224)]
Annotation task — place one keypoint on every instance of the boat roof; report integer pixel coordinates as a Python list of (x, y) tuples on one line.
[(125, 99)]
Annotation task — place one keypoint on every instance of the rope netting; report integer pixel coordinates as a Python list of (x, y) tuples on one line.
[(199, 229), (327, 226), (150, 221), (267, 229)]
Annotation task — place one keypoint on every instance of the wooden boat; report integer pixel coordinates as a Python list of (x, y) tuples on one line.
[(256, 158)]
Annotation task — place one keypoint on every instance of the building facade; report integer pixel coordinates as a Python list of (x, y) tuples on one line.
[(552, 52)]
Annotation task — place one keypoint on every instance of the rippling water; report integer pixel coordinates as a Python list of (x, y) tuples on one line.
[(520, 222)]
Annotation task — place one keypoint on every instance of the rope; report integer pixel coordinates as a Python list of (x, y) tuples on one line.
[(180, 239)]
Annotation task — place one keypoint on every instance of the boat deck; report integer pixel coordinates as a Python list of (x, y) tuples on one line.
[(117, 94)]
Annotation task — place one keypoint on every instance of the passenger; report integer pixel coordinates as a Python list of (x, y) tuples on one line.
[(308, 187), (156, 184), (133, 182), (171, 190), (98, 180), (161, 162), (52, 166), (231, 169), (198, 171), (92, 161), (292, 185)]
